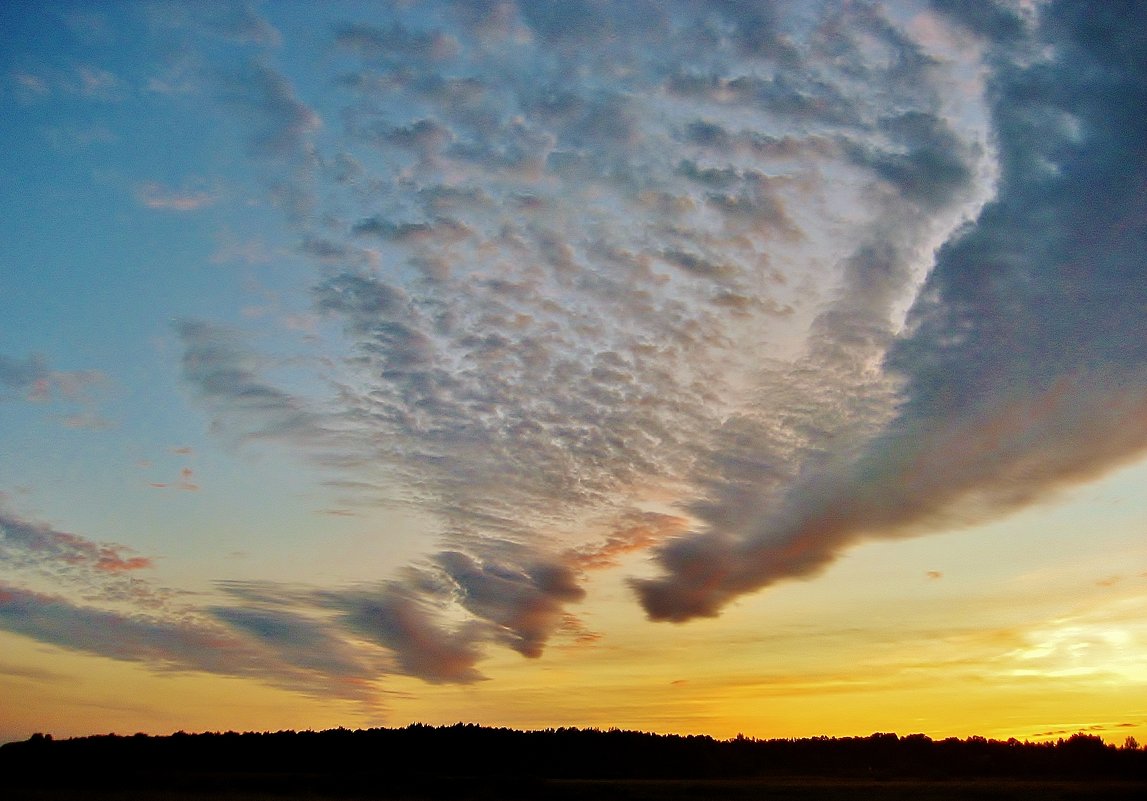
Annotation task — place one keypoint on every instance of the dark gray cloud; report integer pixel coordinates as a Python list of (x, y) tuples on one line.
[(524, 602), (131, 638), (926, 161), (405, 618), (1023, 366)]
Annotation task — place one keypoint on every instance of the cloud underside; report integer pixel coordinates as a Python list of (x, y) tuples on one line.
[(630, 278)]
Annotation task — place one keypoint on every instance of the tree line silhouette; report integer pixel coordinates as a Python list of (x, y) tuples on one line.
[(407, 757)]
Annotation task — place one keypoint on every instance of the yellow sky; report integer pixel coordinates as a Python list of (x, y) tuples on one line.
[(1032, 627)]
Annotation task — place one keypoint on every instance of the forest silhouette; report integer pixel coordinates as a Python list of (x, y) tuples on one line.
[(421, 761)]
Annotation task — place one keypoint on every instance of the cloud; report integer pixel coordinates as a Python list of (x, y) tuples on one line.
[(97, 83), (930, 163), (240, 23), (186, 482), (734, 285), (33, 674), (157, 196), (1022, 367), (633, 534), (580, 251), (395, 42), (38, 383), (281, 126), (303, 642), (178, 643), (25, 374), (37, 552), (124, 616), (88, 81), (54, 620), (26, 541), (30, 83), (525, 603), (282, 123), (225, 377), (403, 618), (437, 618)]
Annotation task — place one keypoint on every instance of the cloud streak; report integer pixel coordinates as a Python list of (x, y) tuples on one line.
[(123, 615), (157, 196), (36, 382), (34, 550)]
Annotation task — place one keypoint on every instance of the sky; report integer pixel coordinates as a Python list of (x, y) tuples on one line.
[(774, 368)]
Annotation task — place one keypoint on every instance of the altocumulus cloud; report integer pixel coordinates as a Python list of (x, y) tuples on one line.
[(560, 259), (776, 262)]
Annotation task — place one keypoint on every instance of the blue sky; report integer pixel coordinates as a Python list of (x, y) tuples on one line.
[(366, 354)]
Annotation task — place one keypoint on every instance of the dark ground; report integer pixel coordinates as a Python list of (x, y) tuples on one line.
[(473, 763), (787, 789)]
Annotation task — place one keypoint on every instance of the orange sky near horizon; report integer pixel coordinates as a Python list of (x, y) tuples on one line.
[(989, 632)]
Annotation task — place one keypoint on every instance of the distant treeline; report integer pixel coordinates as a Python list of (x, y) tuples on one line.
[(396, 758)]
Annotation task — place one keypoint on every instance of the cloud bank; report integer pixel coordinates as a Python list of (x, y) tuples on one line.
[(1023, 363)]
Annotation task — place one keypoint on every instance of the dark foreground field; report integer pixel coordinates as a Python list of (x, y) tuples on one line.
[(788, 789), (472, 763)]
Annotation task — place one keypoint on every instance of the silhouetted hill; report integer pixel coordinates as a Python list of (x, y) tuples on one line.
[(389, 762)]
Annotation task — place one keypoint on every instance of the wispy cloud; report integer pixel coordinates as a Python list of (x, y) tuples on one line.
[(177, 644), (126, 616), (32, 380), (282, 122), (36, 551), (26, 541), (31, 83), (157, 196), (229, 379), (39, 383)]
